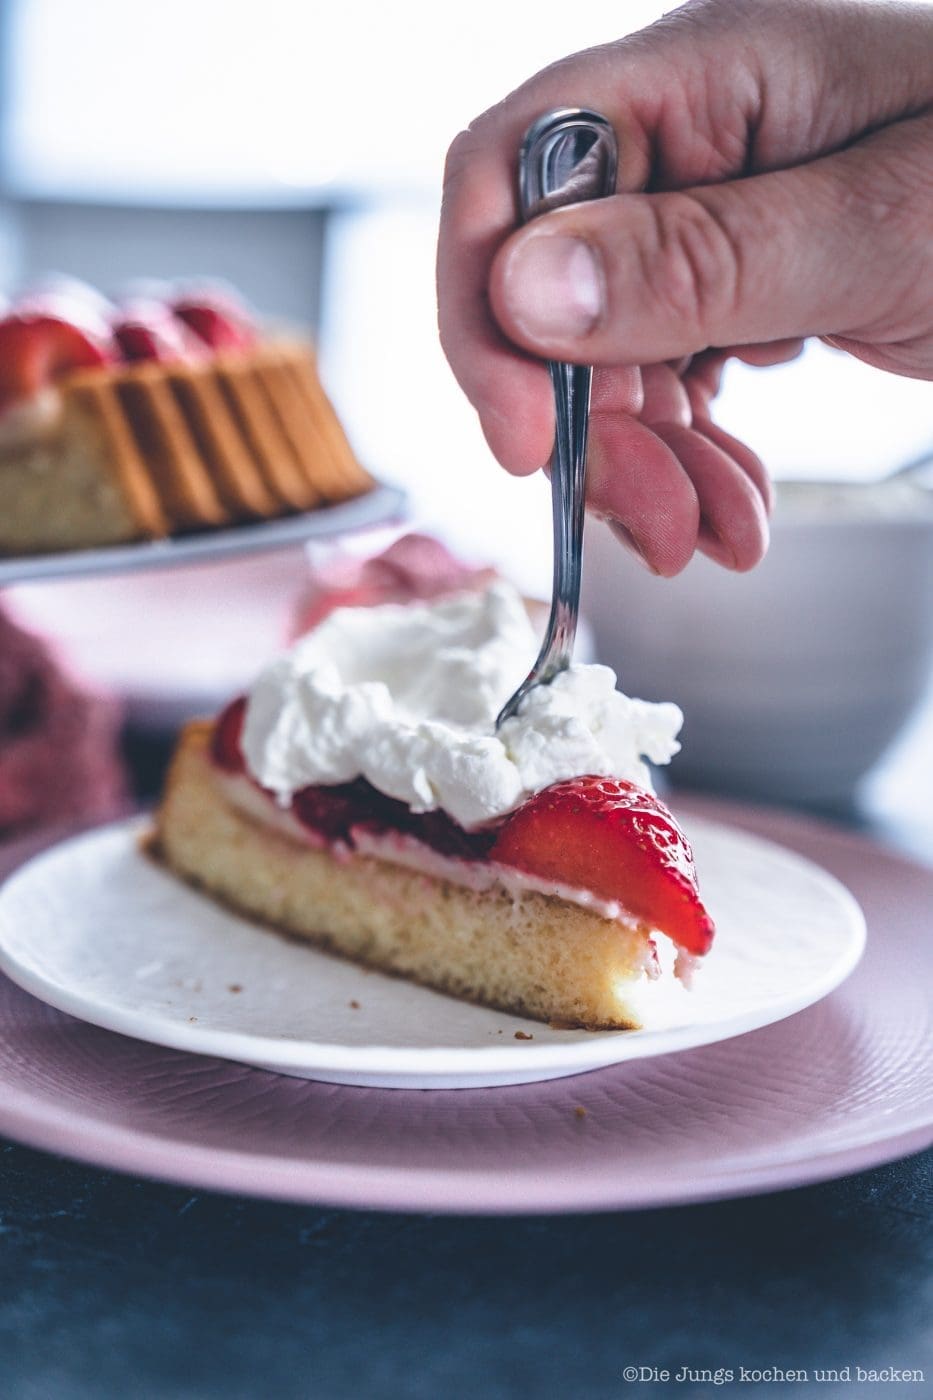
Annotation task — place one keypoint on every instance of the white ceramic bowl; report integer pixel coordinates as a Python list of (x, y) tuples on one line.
[(794, 678)]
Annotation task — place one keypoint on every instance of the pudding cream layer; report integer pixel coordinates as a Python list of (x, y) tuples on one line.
[(406, 696)]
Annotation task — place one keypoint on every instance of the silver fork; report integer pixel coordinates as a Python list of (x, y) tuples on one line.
[(567, 156)]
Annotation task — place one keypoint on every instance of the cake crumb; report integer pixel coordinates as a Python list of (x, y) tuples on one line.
[(234, 988), (523, 1035), (192, 1018), (579, 1111), (354, 1005)]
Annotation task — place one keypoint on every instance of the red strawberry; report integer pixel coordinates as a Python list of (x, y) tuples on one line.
[(330, 811), (145, 329), (35, 349), (616, 840), (67, 299), (225, 740), (217, 317)]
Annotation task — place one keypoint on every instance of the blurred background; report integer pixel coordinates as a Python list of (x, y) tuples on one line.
[(297, 150)]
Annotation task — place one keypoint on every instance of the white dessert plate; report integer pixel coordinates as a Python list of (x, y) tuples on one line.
[(845, 1085), (95, 928), (375, 508)]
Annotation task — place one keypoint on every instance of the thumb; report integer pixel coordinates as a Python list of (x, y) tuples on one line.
[(838, 246)]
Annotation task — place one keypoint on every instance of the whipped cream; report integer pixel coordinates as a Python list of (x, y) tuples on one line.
[(406, 696)]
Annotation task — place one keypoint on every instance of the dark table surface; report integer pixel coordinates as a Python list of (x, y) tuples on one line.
[(114, 1286)]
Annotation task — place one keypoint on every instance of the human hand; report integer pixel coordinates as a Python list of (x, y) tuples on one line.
[(776, 182)]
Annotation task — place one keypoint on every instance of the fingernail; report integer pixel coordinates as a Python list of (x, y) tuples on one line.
[(553, 286), (626, 538)]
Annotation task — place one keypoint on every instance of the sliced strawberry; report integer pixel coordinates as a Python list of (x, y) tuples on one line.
[(225, 740), (339, 811), (617, 841), (217, 316), (68, 299), (36, 349), (145, 329), (330, 811)]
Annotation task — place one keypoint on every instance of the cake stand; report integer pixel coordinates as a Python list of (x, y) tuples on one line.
[(381, 506), (193, 618)]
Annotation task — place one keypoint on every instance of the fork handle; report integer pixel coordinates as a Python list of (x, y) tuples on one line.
[(572, 384), (568, 155)]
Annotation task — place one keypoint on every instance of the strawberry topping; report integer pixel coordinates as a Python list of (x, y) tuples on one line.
[(617, 841), (63, 325), (217, 317), (599, 834), (36, 348), (70, 300), (147, 330), (225, 739), (335, 810)]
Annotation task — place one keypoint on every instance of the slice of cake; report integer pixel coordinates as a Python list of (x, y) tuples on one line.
[(155, 417), (361, 798)]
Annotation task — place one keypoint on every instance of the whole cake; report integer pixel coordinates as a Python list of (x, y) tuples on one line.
[(165, 413), (360, 797)]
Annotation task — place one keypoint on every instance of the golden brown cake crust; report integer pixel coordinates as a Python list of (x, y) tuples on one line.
[(140, 451), (527, 953)]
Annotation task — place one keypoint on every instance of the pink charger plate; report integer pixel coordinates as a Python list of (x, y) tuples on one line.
[(842, 1086)]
